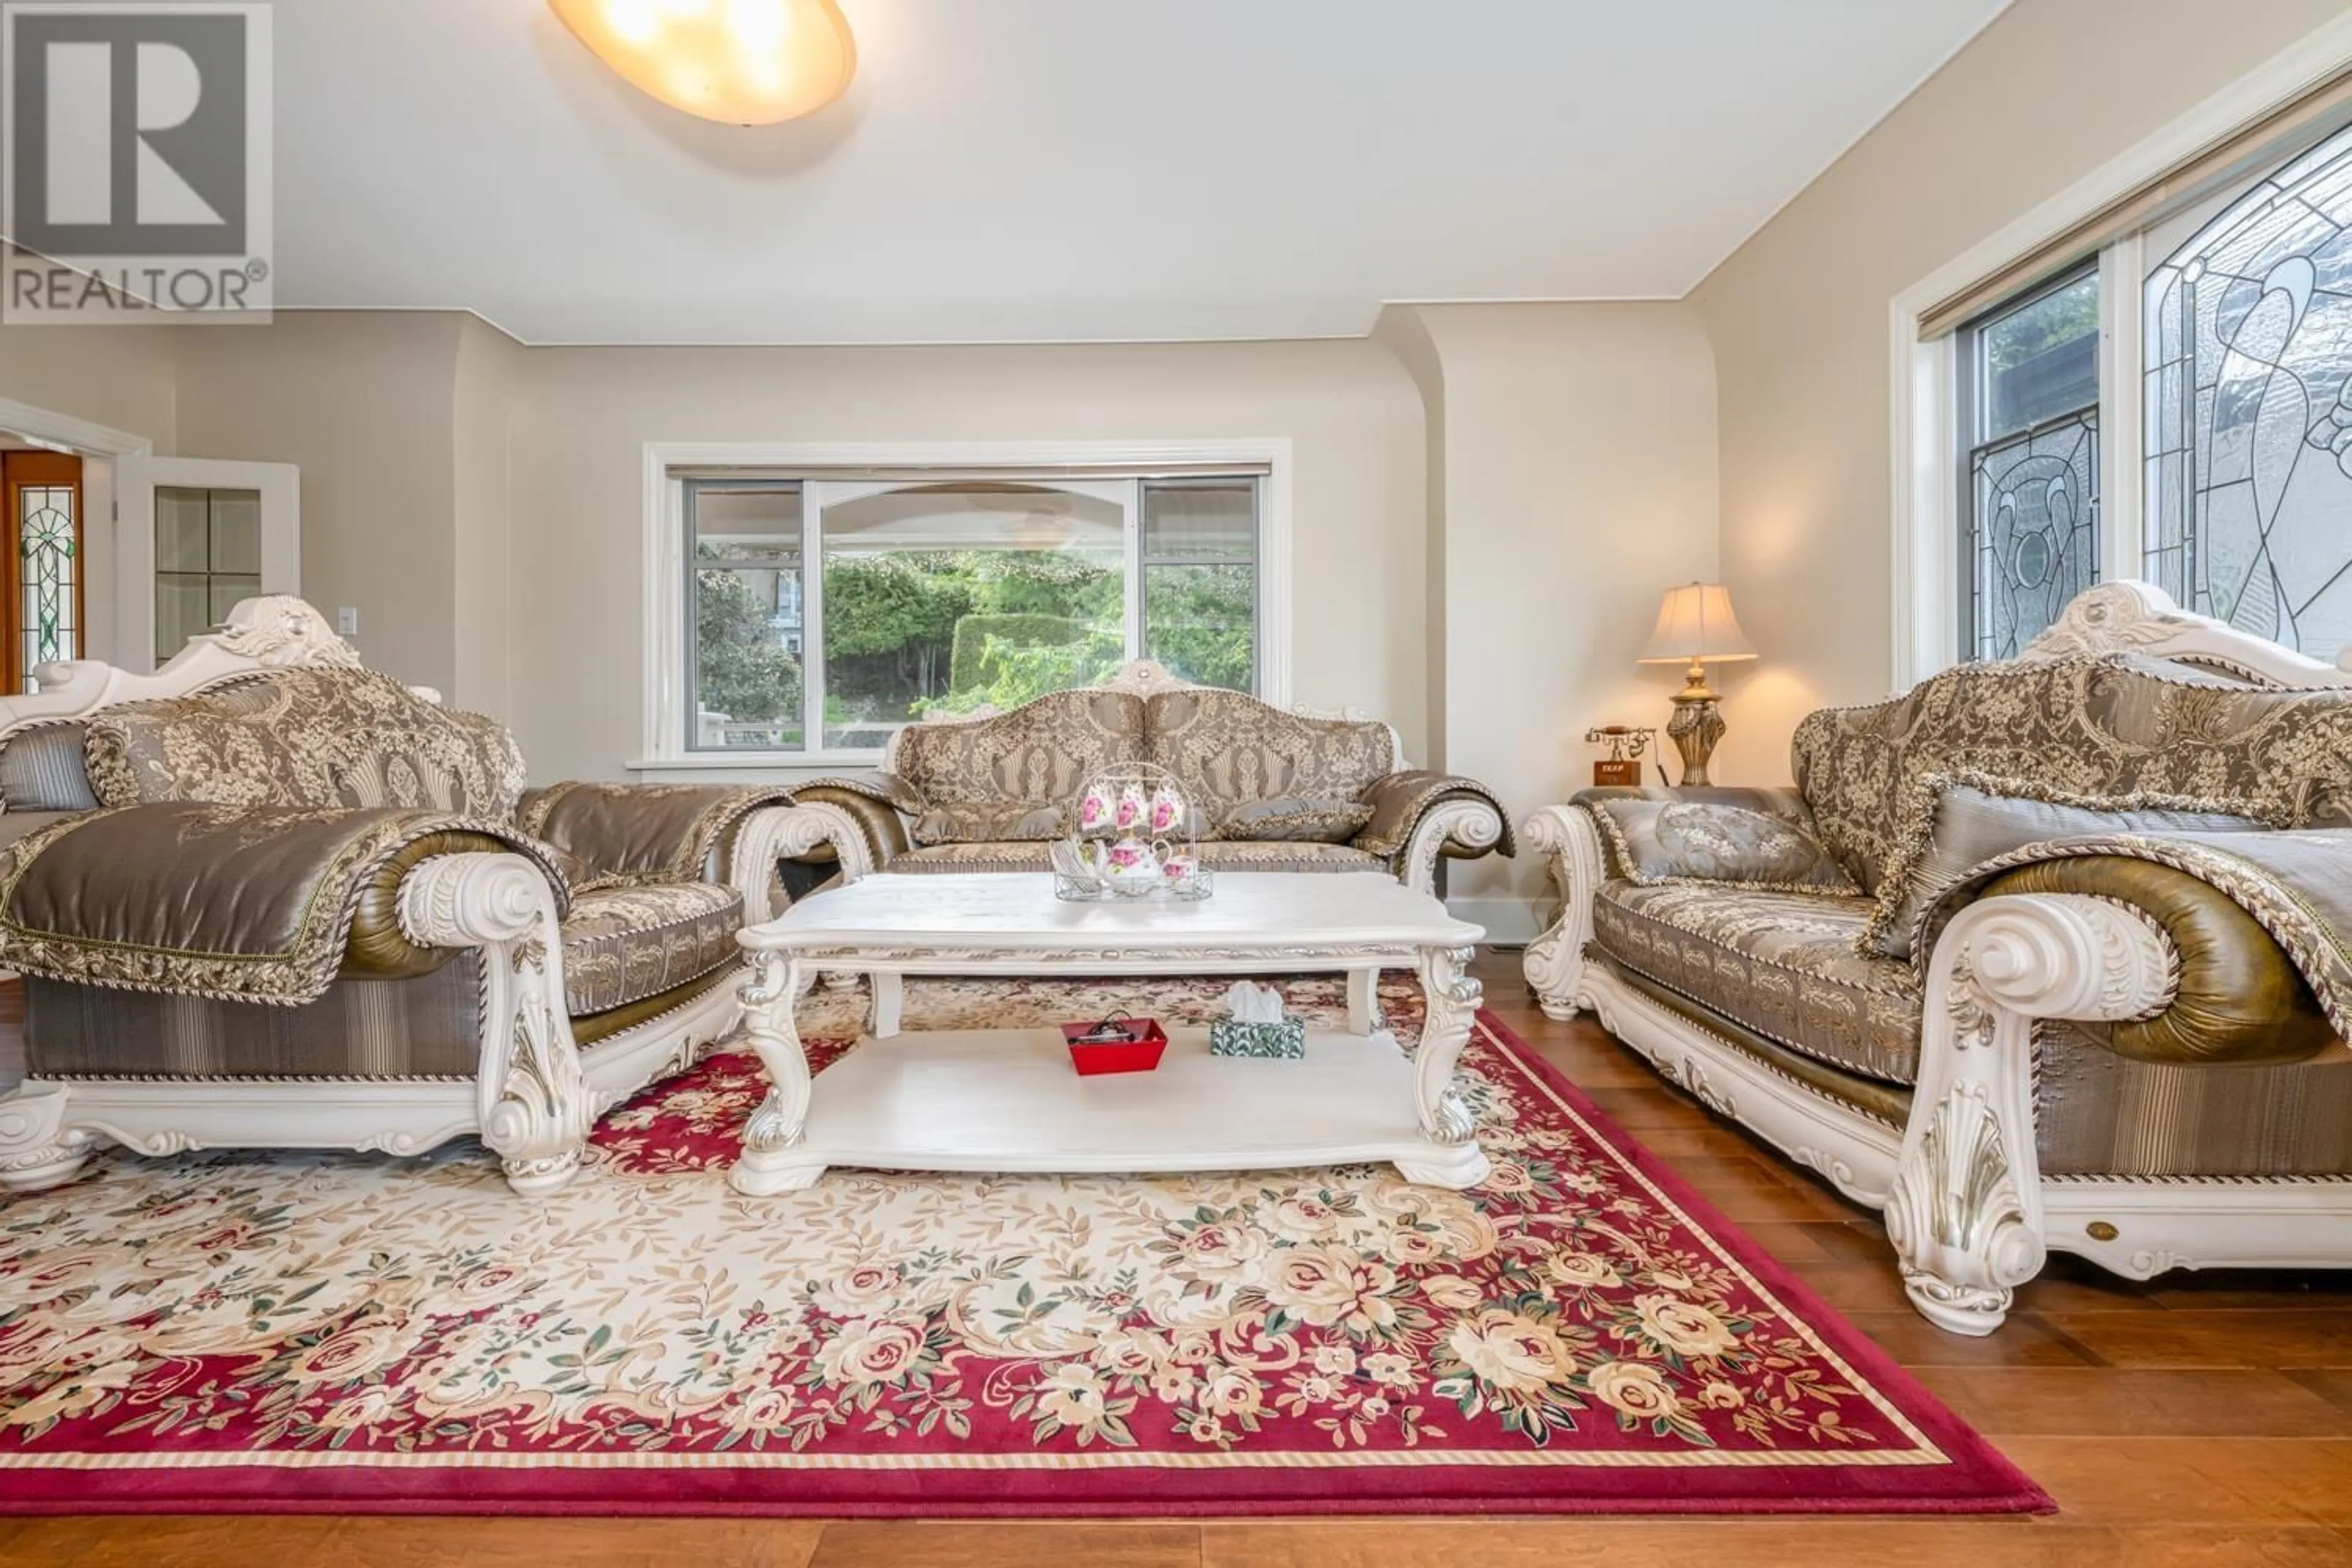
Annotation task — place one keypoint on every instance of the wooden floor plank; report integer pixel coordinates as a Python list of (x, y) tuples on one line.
[(1763, 1544), (2195, 1337), (1097, 1544), (2091, 1402)]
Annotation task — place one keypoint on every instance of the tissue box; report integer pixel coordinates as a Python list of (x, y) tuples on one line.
[(1285, 1040)]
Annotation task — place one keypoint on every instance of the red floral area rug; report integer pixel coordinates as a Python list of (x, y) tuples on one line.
[(348, 1333)]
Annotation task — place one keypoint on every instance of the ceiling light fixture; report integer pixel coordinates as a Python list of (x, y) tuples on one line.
[(742, 62)]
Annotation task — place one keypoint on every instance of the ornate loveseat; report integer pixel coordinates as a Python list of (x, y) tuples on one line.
[(264, 897), (1277, 790), (2048, 954)]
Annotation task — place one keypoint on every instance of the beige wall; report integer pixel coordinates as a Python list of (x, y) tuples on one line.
[(121, 378), (584, 415), (1798, 314), (489, 364), (364, 403), (1576, 446)]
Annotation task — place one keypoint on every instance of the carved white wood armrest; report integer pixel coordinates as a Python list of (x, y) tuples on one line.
[(534, 1104), (1964, 1209), (1564, 835), (1472, 824), (778, 833)]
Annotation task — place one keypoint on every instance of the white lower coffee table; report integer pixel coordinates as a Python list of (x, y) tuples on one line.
[(1008, 1099)]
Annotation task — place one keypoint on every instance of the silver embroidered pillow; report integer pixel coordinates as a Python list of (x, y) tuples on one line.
[(1713, 841), (1296, 819), (42, 769), (1952, 823)]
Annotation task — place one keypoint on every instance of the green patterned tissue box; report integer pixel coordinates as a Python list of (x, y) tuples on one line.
[(1284, 1041)]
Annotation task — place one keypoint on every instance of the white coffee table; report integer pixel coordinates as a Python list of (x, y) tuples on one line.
[(1008, 1099)]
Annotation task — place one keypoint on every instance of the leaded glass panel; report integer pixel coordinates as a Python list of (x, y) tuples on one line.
[(46, 563), (2034, 542), (2248, 335), (2030, 403)]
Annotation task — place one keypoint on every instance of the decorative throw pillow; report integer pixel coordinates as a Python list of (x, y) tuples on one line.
[(42, 769), (309, 737), (1296, 819), (1952, 823), (1714, 841), (988, 822)]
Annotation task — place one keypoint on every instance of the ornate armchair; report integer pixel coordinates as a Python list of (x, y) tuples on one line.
[(1278, 789), (265, 897), (2055, 955)]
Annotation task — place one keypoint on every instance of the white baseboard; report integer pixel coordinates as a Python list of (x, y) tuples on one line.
[(1510, 922)]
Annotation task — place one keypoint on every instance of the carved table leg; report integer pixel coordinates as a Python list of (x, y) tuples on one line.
[(773, 1160), (1454, 1158), (35, 1152), (1364, 1001), (890, 1004)]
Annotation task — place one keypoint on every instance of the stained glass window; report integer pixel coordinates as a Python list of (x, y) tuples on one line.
[(48, 563), (2036, 536), (2030, 412), (2249, 408)]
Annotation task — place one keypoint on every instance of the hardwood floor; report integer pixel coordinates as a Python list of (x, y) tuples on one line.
[(2193, 1420)]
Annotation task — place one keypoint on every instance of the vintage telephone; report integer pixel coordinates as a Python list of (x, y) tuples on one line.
[(1627, 746)]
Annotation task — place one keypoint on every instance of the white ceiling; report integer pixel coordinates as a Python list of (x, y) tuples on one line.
[(1041, 170)]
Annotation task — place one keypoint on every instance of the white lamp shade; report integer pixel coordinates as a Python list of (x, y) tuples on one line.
[(1696, 622)]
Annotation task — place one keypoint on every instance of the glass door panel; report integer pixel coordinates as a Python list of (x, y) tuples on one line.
[(207, 557)]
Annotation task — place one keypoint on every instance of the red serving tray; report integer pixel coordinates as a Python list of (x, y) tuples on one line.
[(1139, 1053)]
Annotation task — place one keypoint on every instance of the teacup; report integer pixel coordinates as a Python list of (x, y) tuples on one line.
[(1132, 858)]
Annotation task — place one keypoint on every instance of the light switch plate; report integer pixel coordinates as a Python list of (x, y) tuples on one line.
[(347, 620)]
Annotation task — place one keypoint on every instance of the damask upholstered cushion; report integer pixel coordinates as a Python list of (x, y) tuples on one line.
[(305, 738), (988, 821), (1226, 749), (1782, 965), (1296, 819), (1954, 823), (1270, 855), (1673, 841), (624, 944), (1042, 751), (643, 832), (41, 769), (2111, 725)]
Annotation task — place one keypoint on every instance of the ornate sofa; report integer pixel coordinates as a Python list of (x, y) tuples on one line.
[(2054, 954), (264, 897), (1279, 790)]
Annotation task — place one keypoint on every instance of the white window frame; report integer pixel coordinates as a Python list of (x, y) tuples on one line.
[(664, 544), (1924, 500)]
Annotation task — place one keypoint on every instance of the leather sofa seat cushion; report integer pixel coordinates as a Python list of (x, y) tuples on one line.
[(1782, 965), (622, 945), (1218, 855)]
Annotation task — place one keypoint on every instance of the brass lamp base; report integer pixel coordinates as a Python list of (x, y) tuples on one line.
[(1697, 726)]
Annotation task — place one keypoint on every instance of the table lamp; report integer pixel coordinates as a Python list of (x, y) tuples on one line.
[(1696, 626)]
